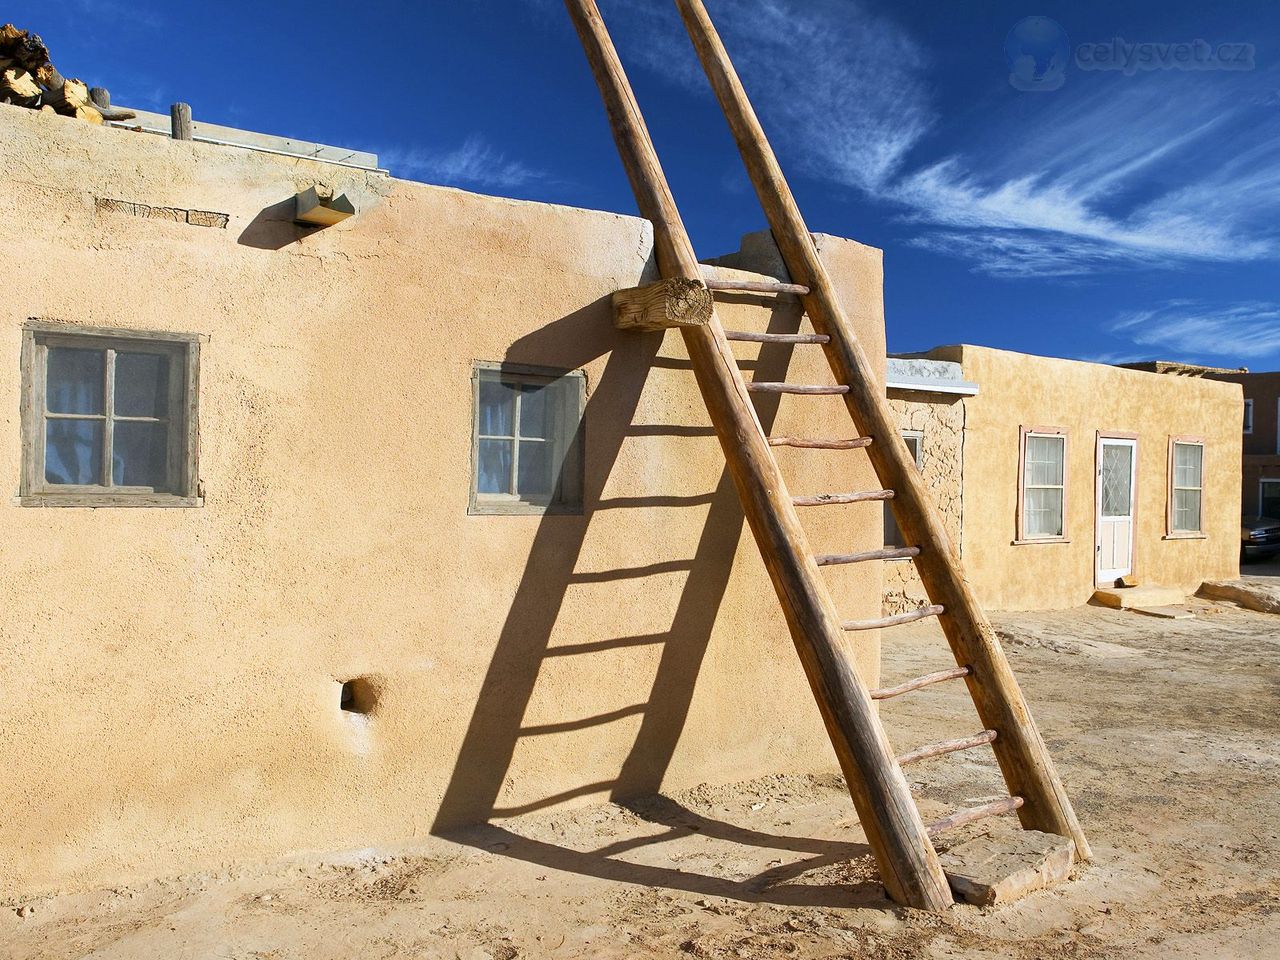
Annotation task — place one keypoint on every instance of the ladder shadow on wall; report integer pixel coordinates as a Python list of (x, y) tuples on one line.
[(524, 646)]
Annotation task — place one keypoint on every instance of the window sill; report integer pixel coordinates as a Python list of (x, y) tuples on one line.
[(522, 508), (1021, 543), (1185, 536), (94, 500)]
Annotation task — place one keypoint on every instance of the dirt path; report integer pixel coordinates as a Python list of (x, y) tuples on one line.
[(1165, 731)]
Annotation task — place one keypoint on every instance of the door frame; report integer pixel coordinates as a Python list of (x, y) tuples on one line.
[(1132, 439)]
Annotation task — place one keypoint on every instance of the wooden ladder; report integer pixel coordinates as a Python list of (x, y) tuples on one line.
[(898, 837)]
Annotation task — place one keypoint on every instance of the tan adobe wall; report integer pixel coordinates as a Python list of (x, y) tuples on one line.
[(940, 421), (1084, 398), (171, 675)]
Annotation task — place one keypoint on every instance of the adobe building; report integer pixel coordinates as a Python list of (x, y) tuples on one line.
[(1069, 476), (1260, 475), (324, 538)]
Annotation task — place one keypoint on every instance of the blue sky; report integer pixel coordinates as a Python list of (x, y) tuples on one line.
[(1126, 214)]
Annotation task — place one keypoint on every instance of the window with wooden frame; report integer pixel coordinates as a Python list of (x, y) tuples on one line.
[(892, 535), (108, 417), (1042, 485), (1186, 486), (527, 440)]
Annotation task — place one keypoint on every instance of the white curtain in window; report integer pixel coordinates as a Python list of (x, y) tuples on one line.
[(1043, 494)]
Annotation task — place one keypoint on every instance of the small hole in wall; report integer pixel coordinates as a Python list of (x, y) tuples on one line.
[(357, 696)]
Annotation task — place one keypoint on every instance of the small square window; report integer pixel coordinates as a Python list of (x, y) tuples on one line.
[(109, 418), (527, 440)]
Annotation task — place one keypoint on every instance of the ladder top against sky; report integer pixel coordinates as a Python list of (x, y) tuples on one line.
[(898, 837)]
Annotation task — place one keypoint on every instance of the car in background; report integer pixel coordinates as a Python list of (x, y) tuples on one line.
[(1259, 538)]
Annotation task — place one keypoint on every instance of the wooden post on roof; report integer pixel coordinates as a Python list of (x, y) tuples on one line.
[(908, 864), (1019, 749), (180, 119)]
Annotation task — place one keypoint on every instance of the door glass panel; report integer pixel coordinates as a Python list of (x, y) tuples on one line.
[(1117, 480), (140, 454), (73, 451), (74, 381), (142, 385)]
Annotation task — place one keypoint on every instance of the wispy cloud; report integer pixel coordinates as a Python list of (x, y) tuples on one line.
[(1100, 176), (1191, 328), (473, 163)]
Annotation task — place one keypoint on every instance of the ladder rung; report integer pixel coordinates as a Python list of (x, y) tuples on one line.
[(757, 286), (776, 337), (889, 553), (809, 389), (884, 693), (853, 444), (825, 499), (961, 817), (946, 746), (930, 611)]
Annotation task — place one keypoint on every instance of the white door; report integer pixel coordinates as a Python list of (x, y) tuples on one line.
[(1117, 478)]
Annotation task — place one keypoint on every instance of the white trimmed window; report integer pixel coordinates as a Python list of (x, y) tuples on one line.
[(1186, 490), (1042, 513)]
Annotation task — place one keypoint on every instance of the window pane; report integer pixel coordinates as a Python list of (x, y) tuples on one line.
[(73, 451), (497, 403), (494, 467), (142, 385), (535, 404), (74, 381), (1187, 458), (1186, 510), (913, 446), (1043, 465), (1117, 478), (139, 455), (1044, 512), (535, 469), (892, 535)]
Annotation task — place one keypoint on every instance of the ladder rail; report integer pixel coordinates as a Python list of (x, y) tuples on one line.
[(908, 863), (1023, 758)]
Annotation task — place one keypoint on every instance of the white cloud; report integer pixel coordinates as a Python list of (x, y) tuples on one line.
[(474, 163), (1188, 328)]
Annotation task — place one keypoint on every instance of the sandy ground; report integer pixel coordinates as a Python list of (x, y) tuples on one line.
[(1165, 731)]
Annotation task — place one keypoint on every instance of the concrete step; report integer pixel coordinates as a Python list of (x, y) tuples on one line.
[(997, 869), (1149, 595)]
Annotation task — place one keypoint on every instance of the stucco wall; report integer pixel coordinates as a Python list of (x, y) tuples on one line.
[(1083, 399), (171, 675), (939, 419)]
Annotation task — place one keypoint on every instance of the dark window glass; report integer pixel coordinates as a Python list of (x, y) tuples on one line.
[(142, 385), (75, 381), (73, 451)]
